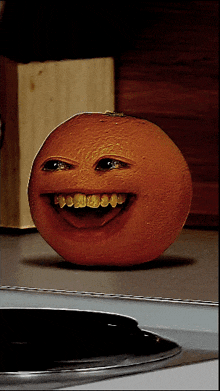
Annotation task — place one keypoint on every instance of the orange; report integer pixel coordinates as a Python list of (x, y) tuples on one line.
[(109, 190)]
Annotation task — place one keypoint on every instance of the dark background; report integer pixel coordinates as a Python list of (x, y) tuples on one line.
[(166, 68)]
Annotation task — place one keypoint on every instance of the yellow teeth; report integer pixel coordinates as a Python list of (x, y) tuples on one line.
[(61, 201), (121, 198), (104, 200), (56, 201), (80, 200), (93, 201), (69, 201), (113, 200)]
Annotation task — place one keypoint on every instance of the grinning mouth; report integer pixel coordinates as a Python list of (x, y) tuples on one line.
[(90, 210)]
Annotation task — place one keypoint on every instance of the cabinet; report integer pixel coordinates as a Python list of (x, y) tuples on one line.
[(170, 77)]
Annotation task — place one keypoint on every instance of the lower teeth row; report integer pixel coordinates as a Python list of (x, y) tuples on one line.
[(92, 201)]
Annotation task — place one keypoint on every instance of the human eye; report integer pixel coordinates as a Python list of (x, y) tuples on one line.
[(107, 164), (56, 165)]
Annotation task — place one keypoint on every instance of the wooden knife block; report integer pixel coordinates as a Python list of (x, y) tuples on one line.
[(35, 98)]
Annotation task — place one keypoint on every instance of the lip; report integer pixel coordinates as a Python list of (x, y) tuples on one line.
[(86, 218)]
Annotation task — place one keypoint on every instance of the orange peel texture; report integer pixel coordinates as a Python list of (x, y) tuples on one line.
[(109, 190)]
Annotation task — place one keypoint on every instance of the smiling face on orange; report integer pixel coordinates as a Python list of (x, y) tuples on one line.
[(109, 190)]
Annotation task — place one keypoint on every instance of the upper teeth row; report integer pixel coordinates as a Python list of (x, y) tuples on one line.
[(80, 200)]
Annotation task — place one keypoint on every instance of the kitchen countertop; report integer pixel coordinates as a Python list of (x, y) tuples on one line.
[(187, 270)]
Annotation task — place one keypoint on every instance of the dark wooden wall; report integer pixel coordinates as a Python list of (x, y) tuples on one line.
[(170, 77), (166, 56)]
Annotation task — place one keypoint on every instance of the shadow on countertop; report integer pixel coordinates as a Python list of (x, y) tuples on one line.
[(163, 262)]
